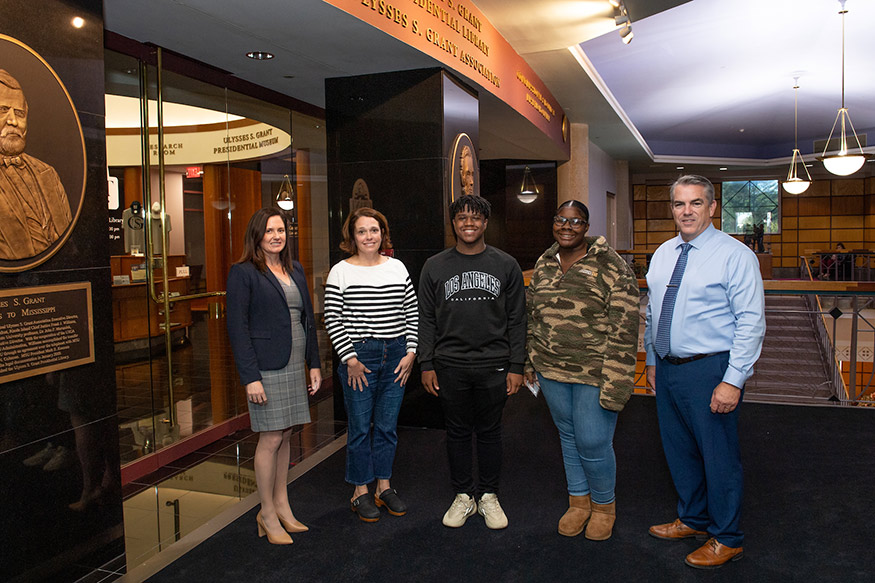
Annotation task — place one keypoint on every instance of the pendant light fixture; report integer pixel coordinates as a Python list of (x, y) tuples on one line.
[(794, 184), (843, 162), (285, 198), (528, 189)]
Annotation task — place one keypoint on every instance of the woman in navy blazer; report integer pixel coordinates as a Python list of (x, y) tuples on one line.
[(266, 293)]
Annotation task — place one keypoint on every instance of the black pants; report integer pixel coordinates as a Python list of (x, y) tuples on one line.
[(473, 400)]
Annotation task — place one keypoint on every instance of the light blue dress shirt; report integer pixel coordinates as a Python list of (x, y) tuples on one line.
[(720, 304)]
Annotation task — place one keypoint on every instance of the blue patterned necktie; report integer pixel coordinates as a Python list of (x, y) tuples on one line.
[(663, 333)]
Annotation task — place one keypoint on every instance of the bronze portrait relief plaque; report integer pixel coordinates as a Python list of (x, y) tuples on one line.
[(464, 175), (42, 159)]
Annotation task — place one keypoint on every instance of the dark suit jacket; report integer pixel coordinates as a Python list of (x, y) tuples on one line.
[(258, 321)]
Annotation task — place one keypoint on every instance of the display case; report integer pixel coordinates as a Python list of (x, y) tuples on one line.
[(135, 315)]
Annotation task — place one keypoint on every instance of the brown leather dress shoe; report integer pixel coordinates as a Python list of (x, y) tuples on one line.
[(675, 531), (712, 555)]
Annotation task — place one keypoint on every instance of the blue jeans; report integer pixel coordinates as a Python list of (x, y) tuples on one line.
[(586, 432), (370, 454)]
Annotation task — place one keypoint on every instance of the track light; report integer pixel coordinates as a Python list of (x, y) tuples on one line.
[(621, 17)]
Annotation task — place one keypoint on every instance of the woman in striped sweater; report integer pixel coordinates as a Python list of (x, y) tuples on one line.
[(371, 318)]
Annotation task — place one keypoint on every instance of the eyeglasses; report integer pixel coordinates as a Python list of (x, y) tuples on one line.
[(562, 221)]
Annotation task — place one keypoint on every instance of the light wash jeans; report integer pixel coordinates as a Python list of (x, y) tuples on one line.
[(586, 432)]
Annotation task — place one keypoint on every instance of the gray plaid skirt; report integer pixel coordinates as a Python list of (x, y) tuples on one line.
[(286, 388)]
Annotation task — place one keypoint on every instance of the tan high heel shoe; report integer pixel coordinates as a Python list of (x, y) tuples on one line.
[(274, 539), (291, 526)]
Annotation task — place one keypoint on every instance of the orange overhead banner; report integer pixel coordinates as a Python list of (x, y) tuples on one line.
[(459, 36)]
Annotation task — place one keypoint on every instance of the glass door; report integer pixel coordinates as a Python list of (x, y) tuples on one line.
[(177, 221)]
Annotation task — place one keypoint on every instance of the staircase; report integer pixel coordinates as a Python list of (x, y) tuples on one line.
[(791, 368)]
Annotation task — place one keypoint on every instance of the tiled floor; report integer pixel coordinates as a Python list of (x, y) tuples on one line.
[(179, 498), (171, 503)]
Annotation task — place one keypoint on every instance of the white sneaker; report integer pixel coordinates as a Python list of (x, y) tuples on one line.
[(491, 511), (462, 507)]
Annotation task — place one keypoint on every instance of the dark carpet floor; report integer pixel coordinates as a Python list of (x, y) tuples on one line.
[(808, 515)]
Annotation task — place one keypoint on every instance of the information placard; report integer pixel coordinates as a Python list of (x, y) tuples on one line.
[(44, 329)]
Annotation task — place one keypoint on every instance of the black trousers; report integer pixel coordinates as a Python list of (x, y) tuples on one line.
[(473, 400)]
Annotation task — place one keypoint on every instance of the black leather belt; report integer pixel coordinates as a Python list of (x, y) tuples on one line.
[(676, 360)]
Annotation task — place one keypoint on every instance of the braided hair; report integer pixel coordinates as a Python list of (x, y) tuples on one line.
[(475, 204)]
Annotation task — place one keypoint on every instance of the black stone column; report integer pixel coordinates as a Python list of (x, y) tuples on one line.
[(59, 461), (395, 132)]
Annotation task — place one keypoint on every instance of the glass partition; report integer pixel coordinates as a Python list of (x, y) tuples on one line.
[(222, 155)]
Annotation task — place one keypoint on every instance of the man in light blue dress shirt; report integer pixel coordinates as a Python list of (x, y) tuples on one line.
[(716, 333)]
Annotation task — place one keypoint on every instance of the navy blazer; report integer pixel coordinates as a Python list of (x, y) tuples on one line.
[(259, 326)]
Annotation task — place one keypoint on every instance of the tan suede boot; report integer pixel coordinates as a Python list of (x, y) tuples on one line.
[(601, 525), (575, 518)]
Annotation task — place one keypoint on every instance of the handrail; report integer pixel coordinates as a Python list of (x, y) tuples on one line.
[(827, 343)]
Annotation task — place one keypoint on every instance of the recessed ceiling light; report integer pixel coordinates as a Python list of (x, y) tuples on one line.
[(741, 130), (679, 167), (260, 55), (78, 22), (724, 168)]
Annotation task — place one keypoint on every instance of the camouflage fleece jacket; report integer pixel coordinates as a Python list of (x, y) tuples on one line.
[(583, 325)]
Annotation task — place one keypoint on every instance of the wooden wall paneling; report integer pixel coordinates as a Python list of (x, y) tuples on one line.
[(814, 222), (655, 193), (639, 192), (245, 196), (810, 207), (847, 222), (215, 225), (659, 237), (661, 225), (814, 235), (817, 188), (847, 187), (847, 205), (848, 236), (639, 209), (659, 210), (133, 185)]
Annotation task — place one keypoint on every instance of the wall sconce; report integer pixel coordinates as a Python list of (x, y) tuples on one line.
[(528, 189), (285, 198)]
